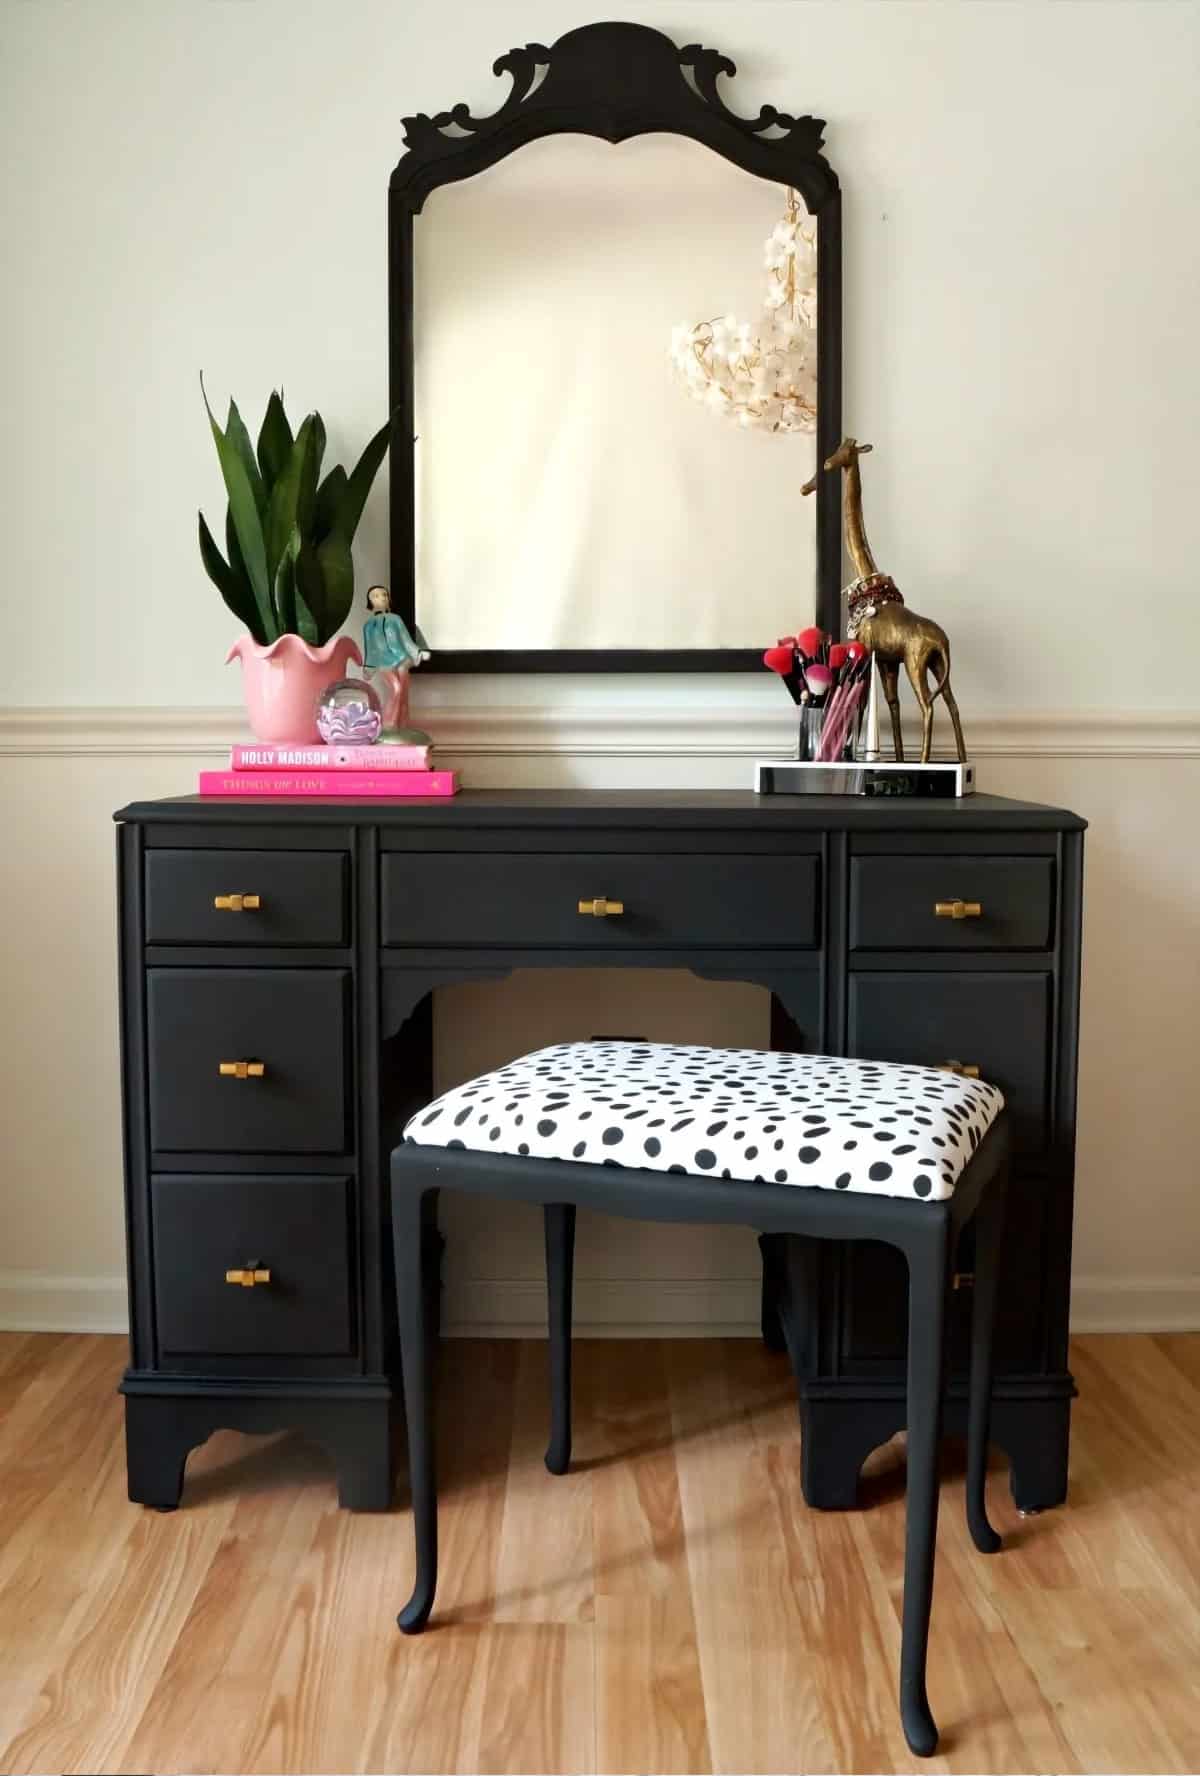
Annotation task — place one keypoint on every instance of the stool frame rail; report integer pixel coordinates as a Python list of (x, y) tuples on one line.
[(925, 1232)]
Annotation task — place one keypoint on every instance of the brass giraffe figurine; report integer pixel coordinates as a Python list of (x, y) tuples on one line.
[(879, 618)]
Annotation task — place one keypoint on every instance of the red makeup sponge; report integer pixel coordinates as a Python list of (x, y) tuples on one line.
[(780, 659)]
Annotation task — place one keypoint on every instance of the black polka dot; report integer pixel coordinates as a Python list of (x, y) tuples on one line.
[(879, 1171), (611, 1136), (579, 1149), (842, 1181), (706, 1159), (808, 1154), (463, 1116), (921, 1184), (523, 1148), (653, 1146), (714, 1128), (781, 1177), (546, 1126)]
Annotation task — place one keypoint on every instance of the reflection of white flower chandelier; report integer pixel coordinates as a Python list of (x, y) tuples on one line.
[(768, 379)]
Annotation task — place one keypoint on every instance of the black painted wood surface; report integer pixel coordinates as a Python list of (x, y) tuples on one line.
[(731, 887)]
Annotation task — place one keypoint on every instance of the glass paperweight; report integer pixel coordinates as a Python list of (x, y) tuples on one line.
[(348, 713)]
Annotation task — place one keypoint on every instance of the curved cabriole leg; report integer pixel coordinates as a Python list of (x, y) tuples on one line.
[(560, 1265), (418, 1402), (928, 1277), (989, 1228)]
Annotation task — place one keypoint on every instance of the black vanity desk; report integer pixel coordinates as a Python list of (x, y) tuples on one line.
[(843, 908)]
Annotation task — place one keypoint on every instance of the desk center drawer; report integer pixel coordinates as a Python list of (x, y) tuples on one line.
[(599, 899), (247, 1060)]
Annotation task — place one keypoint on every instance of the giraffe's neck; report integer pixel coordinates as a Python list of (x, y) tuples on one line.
[(856, 536)]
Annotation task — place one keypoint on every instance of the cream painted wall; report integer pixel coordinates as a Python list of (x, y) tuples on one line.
[(194, 184), (201, 184)]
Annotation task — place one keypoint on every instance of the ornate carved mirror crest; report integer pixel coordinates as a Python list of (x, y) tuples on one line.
[(557, 504)]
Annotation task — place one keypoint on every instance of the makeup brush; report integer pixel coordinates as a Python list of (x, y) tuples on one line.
[(819, 679), (782, 659)]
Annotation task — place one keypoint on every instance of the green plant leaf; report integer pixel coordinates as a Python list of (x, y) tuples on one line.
[(350, 507), (246, 521), (292, 497), (285, 585), (230, 582), (330, 494), (318, 445), (239, 437), (274, 442), (337, 578), (310, 595)]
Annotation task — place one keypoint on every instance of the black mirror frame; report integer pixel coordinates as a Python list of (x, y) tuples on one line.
[(613, 81)]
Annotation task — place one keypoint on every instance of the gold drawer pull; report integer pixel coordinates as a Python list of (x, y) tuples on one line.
[(241, 1069), (248, 1277), (957, 909), (964, 1279), (966, 1070), (237, 903), (602, 909)]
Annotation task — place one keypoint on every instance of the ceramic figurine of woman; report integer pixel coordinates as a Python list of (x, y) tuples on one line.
[(389, 654)]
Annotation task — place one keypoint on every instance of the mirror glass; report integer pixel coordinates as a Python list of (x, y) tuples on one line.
[(570, 492)]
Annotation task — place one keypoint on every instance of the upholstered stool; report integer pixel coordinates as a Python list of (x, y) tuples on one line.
[(805, 1144)]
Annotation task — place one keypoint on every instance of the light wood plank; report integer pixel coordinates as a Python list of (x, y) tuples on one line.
[(544, 1567), (671, 1606)]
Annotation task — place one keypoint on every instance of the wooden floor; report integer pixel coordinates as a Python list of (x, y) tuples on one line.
[(669, 1606)]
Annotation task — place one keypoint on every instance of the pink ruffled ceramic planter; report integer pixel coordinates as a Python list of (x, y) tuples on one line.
[(281, 683)]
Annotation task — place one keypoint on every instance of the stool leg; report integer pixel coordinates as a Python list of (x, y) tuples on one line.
[(418, 1403), (928, 1280), (989, 1227), (560, 1269)]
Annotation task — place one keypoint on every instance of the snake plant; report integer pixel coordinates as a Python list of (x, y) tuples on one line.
[(287, 530)]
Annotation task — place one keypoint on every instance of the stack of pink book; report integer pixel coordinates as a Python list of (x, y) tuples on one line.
[(380, 770)]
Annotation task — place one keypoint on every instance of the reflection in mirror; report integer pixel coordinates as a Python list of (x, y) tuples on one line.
[(570, 494)]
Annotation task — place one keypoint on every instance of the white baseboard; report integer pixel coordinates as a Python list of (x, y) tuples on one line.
[(1135, 1304), (605, 1307), (43, 1301)]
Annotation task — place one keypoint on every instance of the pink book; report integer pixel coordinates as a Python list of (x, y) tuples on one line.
[(382, 784), (262, 757)]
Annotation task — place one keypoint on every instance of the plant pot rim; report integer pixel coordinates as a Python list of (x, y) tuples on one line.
[(318, 655)]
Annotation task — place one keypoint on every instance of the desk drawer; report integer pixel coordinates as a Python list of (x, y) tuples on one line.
[(997, 1022), (296, 1229), (289, 1021), (894, 901), (301, 895), (533, 901)]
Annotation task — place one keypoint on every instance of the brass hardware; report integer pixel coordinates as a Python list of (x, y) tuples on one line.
[(964, 1279), (966, 1070), (957, 909), (237, 903), (241, 1069), (248, 1277), (602, 909)]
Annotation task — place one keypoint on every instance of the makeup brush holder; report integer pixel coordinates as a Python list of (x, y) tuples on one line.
[(812, 732)]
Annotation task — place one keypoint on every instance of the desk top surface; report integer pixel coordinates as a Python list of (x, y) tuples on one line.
[(677, 809)]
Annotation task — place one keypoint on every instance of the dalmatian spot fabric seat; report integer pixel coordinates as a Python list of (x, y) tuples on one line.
[(816, 1121)]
